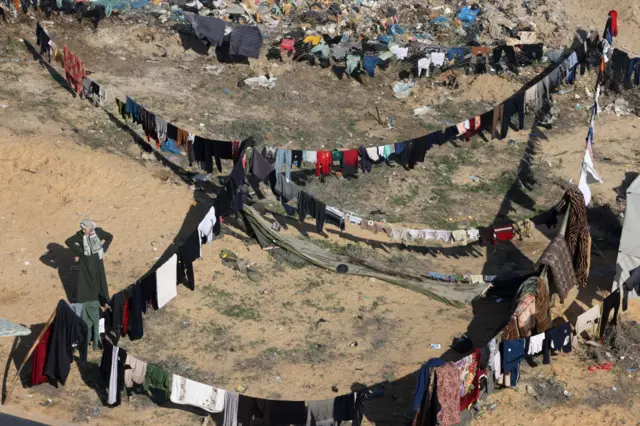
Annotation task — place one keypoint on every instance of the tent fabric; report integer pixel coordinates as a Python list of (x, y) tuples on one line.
[(454, 294), (629, 251), (10, 329)]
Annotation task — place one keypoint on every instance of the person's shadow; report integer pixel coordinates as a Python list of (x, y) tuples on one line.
[(62, 258)]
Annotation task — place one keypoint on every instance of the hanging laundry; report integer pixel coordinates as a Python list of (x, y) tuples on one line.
[(188, 253), (74, 70), (283, 157), (400, 52), (315, 208), (134, 372), (310, 156), (611, 302), (443, 235), (512, 354), (577, 233), (557, 339), (556, 256), (504, 233), (246, 41), (112, 371), (231, 400), (473, 235), (38, 359), (157, 379), (166, 276), (323, 164), (323, 49), (459, 236), (189, 392), (205, 227), (448, 395), (535, 344), (43, 40)]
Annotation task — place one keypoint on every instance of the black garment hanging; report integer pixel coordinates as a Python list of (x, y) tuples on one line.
[(611, 302), (187, 254), (365, 161), (106, 364), (68, 329), (307, 204), (511, 106), (204, 150), (136, 305), (172, 132)]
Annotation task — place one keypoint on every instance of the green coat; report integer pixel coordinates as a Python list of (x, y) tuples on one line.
[(92, 279)]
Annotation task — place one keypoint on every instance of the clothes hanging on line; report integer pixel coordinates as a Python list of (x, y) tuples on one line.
[(166, 280)]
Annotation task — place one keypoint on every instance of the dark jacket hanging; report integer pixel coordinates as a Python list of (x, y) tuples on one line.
[(105, 367), (67, 330), (187, 254), (134, 324), (307, 204)]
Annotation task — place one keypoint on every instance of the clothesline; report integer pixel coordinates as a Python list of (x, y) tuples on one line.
[(153, 128)]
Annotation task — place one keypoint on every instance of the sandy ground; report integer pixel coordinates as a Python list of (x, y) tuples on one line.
[(63, 160)]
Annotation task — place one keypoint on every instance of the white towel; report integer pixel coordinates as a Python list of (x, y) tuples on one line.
[(310, 156), (188, 392), (166, 281), (205, 228), (113, 376), (373, 153), (473, 234), (535, 344)]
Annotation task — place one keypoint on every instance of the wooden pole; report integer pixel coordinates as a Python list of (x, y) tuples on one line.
[(26, 358)]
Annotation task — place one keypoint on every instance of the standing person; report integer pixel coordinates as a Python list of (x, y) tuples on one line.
[(89, 245)]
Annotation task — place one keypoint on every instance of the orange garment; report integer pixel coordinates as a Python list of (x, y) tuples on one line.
[(183, 138)]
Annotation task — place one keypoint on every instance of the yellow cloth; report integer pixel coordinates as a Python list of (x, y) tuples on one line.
[(313, 39), (286, 8)]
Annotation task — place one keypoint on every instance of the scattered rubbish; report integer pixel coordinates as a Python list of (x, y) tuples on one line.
[(226, 91), (604, 367), (513, 142), (606, 159), (492, 406), (621, 107), (261, 81), (334, 388), (435, 346), (565, 91), (47, 403), (96, 412), (566, 393), (353, 344), (4, 106), (402, 89), (27, 263), (613, 388), (392, 122), (475, 178), (632, 370), (321, 320), (241, 388), (278, 379), (440, 20), (467, 15), (578, 106), (421, 111)]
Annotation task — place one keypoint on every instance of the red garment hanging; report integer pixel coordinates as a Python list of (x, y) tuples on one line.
[(39, 355), (74, 70), (125, 318), (323, 166)]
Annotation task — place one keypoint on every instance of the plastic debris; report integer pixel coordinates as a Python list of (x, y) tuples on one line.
[(402, 89), (467, 15), (421, 111), (261, 81), (435, 346)]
